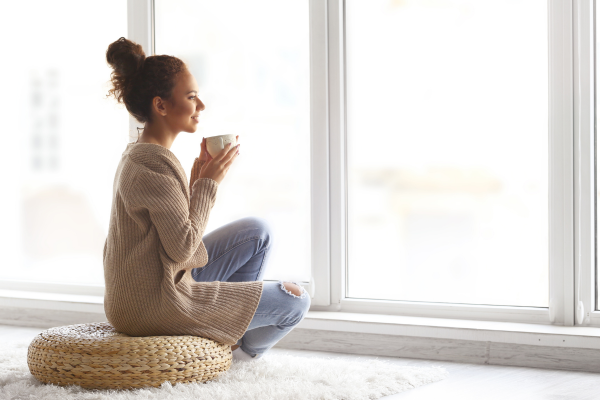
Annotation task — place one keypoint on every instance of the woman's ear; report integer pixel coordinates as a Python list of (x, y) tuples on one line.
[(159, 106)]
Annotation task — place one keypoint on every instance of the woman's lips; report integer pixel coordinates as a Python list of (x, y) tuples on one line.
[(195, 119)]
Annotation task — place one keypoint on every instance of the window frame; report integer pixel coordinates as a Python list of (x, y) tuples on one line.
[(330, 295), (140, 29), (585, 164)]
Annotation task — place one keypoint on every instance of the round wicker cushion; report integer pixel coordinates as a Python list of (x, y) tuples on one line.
[(95, 356)]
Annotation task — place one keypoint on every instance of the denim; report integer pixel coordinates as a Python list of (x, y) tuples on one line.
[(239, 252)]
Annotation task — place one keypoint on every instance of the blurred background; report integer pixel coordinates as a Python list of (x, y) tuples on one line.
[(67, 137), (251, 62), (447, 125), (62, 138)]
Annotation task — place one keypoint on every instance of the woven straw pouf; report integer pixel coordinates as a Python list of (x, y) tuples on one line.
[(95, 356)]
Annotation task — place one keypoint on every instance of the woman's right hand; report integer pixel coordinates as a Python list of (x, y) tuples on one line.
[(216, 168)]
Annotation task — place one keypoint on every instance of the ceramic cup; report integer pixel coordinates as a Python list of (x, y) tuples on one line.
[(215, 144)]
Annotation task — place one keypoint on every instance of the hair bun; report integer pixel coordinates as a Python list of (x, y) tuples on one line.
[(125, 57)]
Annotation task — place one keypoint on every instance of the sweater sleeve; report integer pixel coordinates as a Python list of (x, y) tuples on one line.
[(195, 171), (180, 225)]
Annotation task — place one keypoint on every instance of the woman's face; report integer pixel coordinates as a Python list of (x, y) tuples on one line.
[(183, 110)]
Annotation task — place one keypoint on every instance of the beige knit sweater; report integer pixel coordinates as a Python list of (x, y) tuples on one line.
[(154, 239)]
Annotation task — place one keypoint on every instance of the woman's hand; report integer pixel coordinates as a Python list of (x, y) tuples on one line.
[(216, 168), (204, 156)]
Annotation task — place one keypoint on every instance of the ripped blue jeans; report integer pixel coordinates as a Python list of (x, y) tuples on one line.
[(238, 252)]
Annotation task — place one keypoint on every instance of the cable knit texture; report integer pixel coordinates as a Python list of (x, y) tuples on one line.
[(154, 240)]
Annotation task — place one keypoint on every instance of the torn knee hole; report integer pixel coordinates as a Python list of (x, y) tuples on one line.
[(293, 289)]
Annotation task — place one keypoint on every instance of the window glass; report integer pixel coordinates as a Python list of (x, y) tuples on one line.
[(251, 62), (62, 138), (447, 135)]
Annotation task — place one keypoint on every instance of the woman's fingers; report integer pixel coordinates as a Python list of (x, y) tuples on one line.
[(232, 155), (227, 152), (230, 161), (219, 165), (233, 152)]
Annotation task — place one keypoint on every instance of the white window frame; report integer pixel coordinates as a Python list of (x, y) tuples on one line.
[(330, 285), (140, 29), (585, 169), (571, 162)]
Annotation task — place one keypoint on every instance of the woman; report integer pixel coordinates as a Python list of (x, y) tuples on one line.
[(162, 276)]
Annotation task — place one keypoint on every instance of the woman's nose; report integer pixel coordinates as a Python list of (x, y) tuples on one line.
[(201, 106)]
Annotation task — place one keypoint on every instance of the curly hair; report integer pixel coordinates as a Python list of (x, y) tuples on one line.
[(137, 79)]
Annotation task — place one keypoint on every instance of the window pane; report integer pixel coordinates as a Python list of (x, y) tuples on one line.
[(63, 138), (251, 62), (448, 151)]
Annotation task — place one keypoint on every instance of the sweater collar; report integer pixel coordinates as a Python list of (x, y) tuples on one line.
[(152, 148)]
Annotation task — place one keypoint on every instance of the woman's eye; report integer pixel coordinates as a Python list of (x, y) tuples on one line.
[(193, 97)]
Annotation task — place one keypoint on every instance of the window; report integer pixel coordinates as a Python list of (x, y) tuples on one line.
[(251, 62), (425, 158), (62, 139), (391, 185), (447, 130)]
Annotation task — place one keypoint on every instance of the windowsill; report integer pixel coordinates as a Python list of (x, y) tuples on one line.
[(395, 325), (76, 298), (460, 329), (51, 301)]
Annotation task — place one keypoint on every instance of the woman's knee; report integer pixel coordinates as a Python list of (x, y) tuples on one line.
[(293, 288), (302, 303), (261, 227)]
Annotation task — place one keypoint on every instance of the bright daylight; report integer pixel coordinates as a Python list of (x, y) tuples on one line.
[(301, 199)]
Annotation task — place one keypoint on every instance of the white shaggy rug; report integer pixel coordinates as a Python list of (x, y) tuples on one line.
[(274, 376)]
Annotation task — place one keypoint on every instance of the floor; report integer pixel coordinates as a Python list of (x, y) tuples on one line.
[(466, 381)]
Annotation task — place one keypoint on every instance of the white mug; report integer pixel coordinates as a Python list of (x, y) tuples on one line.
[(215, 144)]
